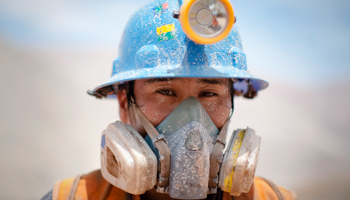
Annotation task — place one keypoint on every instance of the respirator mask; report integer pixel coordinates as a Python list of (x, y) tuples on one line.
[(182, 156)]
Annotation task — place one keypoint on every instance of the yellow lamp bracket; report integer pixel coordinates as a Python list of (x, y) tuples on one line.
[(206, 21)]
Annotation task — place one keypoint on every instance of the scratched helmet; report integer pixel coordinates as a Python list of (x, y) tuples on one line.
[(155, 45)]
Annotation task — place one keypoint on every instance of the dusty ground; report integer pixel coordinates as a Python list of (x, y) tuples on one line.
[(50, 128)]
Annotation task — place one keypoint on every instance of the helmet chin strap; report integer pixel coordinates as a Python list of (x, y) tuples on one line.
[(159, 142)]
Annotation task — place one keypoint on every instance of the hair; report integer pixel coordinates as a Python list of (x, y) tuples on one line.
[(129, 89)]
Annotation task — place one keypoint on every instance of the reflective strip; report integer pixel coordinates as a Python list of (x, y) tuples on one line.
[(275, 189), (73, 188), (56, 190), (106, 192)]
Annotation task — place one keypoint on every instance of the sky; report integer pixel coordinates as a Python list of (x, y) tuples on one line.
[(304, 43)]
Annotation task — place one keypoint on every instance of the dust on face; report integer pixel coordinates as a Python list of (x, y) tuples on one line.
[(157, 98)]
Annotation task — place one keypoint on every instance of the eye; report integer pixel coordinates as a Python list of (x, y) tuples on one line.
[(166, 92), (207, 94)]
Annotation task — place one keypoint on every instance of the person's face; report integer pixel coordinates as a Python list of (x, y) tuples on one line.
[(157, 98)]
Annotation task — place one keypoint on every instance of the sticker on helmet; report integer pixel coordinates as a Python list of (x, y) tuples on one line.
[(162, 8), (165, 7), (166, 32)]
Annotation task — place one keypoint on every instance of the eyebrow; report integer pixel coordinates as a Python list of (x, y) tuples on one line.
[(215, 81), (153, 80)]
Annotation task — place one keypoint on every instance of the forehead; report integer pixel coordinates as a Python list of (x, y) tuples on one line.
[(211, 81)]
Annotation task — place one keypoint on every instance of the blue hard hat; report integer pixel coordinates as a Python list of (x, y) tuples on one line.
[(154, 46)]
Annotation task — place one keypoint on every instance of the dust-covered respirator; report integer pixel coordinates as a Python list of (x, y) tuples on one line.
[(184, 157)]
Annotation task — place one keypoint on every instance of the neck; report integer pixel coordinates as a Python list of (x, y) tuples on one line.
[(153, 195)]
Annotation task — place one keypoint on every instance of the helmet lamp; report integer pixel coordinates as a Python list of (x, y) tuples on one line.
[(206, 21)]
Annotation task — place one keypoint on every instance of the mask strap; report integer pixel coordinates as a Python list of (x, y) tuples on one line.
[(216, 158), (164, 151)]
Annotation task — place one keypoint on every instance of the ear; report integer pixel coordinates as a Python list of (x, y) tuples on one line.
[(123, 106)]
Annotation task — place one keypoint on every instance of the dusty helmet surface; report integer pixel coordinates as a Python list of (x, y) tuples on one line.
[(154, 45)]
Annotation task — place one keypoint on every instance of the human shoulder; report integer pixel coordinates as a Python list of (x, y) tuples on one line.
[(265, 189), (94, 186), (89, 186)]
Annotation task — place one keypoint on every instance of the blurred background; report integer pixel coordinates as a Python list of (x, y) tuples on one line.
[(51, 52)]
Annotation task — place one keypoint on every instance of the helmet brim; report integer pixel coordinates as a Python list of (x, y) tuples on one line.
[(178, 72)]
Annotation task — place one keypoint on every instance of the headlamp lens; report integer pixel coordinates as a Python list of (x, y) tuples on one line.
[(208, 18)]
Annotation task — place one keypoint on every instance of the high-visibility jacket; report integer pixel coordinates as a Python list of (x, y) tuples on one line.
[(94, 187)]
